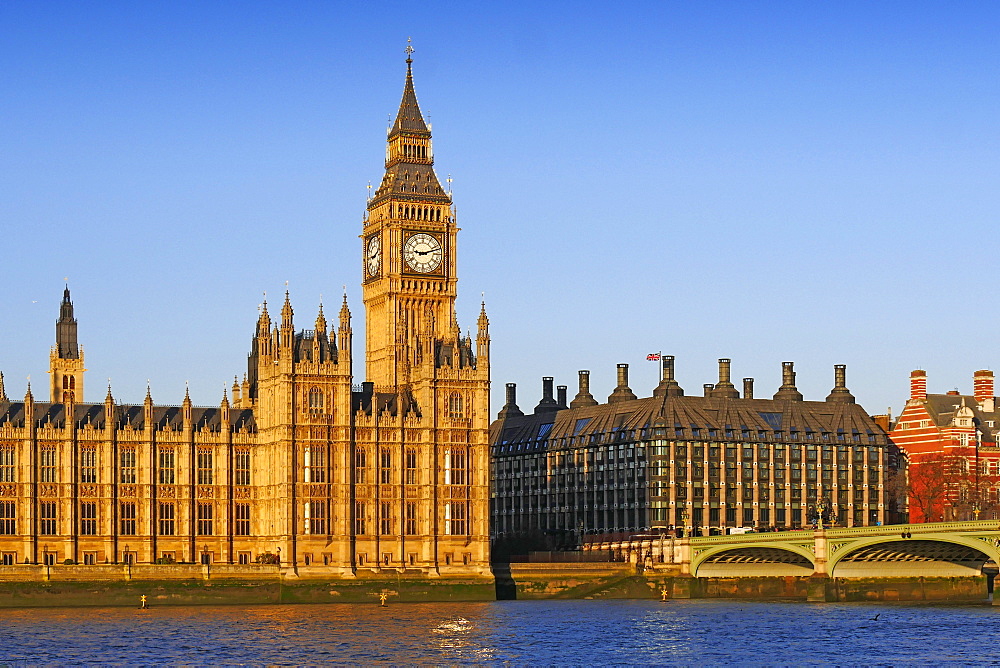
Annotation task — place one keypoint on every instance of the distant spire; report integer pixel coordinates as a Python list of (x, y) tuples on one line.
[(320, 321), (286, 311), (149, 395), (66, 337), (345, 312), (264, 321), (109, 399), (484, 321), (28, 396), (3, 393)]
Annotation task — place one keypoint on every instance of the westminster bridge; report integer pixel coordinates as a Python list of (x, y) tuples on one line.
[(944, 549)]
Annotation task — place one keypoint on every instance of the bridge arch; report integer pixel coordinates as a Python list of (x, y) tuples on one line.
[(943, 555), (775, 559)]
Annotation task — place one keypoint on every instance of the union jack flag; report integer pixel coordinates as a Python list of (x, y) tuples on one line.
[(653, 357)]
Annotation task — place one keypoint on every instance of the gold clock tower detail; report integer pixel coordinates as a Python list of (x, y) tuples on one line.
[(429, 383)]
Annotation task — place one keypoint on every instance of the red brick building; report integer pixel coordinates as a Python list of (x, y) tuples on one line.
[(950, 441)]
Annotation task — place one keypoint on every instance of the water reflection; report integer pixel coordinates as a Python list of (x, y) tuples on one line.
[(510, 632)]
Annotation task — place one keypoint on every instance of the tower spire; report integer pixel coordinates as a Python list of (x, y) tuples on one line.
[(66, 343), (409, 118)]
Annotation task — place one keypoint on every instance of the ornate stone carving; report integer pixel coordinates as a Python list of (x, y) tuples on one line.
[(8, 490), (88, 490), (48, 490), (127, 492), (205, 492), (241, 493), (166, 492)]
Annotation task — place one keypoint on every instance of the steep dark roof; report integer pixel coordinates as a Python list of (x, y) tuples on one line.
[(408, 117), (683, 416), (942, 409), (164, 417)]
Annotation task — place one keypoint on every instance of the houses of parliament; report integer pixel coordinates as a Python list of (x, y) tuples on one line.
[(297, 465)]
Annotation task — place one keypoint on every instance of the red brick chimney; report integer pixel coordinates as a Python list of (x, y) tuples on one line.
[(918, 385), (982, 385)]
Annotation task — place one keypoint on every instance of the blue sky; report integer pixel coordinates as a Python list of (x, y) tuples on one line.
[(814, 182)]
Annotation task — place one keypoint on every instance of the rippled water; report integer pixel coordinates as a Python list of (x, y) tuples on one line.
[(506, 632)]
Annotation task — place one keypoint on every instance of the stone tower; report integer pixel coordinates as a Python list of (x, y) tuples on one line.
[(429, 410), (66, 358)]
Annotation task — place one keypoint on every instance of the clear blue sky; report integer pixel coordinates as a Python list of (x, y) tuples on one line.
[(814, 182)]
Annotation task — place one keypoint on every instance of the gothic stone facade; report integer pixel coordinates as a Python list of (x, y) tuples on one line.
[(300, 463), (671, 462)]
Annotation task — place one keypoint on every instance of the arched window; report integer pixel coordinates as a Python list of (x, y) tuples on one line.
[(315, 401), (455, 405)]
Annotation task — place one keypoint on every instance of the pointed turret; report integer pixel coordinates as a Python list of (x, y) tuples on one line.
[(287, 328), (264, 322), (67, 347), (344, 335), (147, 410), (320, 321), (110, 412), (186, 407), (483, 337), (224, 411), (3, 392)]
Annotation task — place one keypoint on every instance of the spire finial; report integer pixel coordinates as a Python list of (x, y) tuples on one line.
[(409, 50)]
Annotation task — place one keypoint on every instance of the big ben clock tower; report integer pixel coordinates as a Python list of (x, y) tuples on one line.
[(409, 251), (428, 411)]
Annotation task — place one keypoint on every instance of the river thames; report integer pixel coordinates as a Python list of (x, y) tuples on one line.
[(506, 632)]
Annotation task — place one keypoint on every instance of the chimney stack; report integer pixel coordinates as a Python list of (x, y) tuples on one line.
[(510, 409), (788, 390), (547, 404), (583, 396), (982, 386), (622, 392), (561, 396), (840, 392), (668, 387), (748, 388), (724, 388), (708, 387), (918, 385)]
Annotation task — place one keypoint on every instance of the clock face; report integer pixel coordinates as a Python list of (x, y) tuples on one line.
[(373, 256), (422, 253)]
